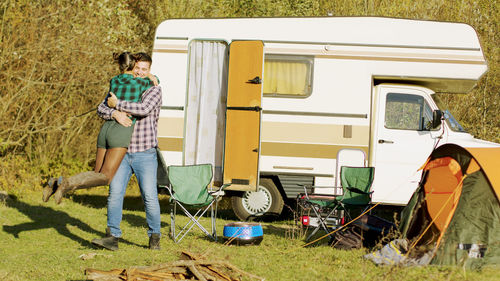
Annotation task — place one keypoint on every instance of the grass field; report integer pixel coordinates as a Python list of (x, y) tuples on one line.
[(44, 241)]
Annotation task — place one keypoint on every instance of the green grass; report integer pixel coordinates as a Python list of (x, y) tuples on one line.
[(44, 241)]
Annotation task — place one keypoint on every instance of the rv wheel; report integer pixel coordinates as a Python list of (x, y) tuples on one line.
[(266, 200)]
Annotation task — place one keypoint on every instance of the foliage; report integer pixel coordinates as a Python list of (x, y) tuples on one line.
[(56, 61)]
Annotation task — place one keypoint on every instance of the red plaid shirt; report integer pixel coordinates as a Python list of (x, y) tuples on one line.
[(147, 112)]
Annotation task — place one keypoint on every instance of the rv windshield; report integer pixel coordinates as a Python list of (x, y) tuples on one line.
[(452, 122)]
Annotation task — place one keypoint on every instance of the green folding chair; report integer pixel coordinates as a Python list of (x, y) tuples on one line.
[(189, 187), (356, 185), (328, 210), (356, 182)]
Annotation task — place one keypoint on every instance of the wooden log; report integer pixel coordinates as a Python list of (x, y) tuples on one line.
[(163, 268), (215, 263), (102, 275), (176, 270), (151, 276), (188, 256), (196, 273), (218, 273)]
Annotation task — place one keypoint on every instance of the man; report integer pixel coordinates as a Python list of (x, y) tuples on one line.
[(140, 159)]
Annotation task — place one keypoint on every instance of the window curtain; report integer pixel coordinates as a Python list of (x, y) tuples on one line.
[(206, 105), (285, 77)]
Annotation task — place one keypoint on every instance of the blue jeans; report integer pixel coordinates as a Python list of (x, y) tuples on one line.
[(144, 166)]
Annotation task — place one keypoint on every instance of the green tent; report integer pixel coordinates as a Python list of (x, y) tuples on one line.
[(454, 215)]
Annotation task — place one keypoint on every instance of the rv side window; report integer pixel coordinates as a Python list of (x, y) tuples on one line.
[(407, 112), (288, 76)]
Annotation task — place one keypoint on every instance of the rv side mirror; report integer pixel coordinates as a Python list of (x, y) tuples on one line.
[(436, 118)]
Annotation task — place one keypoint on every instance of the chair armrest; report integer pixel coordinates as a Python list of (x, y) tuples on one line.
[(218, 190), (317, 196), (317, 188)]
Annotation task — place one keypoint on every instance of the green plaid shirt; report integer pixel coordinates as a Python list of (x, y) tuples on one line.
[(128, 88)]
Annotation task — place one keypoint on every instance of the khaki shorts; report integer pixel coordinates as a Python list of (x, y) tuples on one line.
[(113, 135)]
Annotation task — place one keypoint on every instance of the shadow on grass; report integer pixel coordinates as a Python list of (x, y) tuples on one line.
[(130, 203), (45, 217), (139, 221), (135, 203)]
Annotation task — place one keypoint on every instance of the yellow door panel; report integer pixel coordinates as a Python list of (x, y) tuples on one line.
[(243, 115), (241, 154), (245, 64)]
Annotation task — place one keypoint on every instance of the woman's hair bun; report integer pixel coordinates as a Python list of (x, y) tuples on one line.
[(135, 56), (125, 61)]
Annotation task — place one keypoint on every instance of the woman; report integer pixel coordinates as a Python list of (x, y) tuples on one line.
[(113, 139)]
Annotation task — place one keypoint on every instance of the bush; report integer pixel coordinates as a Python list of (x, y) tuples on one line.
[(56, 62)]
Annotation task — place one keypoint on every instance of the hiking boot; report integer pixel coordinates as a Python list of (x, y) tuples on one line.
[(109, 242), (62, 189), (49, 189), (78, 181), (154, 241)]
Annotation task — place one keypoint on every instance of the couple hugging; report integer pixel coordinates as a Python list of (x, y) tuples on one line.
[(126, 145)]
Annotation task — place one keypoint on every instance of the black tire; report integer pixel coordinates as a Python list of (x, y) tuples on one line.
[(267, 201)]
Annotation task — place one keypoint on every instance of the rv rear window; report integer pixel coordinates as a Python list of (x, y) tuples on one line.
[(288, 76)]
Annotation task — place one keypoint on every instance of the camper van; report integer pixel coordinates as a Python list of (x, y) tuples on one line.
[(277, 103)]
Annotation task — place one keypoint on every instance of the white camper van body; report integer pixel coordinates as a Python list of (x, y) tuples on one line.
[(358, 66)]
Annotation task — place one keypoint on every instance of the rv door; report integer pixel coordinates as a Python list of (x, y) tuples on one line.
[(402, 141), (243, 115)]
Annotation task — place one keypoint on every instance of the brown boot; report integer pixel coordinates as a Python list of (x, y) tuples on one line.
[(49, 189), (108, 242), (154, 241), (79, 181)]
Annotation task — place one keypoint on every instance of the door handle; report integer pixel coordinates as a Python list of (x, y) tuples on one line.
[(255, 150), (246, 108), (385, 141), (255, 80)]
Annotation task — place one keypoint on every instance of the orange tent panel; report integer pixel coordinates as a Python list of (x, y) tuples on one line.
[(489, 160), (442, 183)]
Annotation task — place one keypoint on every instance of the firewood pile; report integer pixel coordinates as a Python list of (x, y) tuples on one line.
[(188, 267)]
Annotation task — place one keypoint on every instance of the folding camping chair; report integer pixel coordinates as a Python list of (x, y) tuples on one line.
[(327, 209), (318, 210), (189, 187), (356, 185)]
